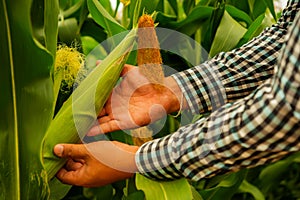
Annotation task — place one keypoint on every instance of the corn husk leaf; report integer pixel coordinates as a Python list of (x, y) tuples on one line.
[(79, 112)]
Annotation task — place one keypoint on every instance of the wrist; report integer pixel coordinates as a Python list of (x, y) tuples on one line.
[(126, 157), (174, 99)]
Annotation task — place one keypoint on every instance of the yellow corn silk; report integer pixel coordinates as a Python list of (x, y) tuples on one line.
[(68, 63)]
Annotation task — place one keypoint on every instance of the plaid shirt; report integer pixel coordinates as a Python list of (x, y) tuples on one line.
[(253, 94)]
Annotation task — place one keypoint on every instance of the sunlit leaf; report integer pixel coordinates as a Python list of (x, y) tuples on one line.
[(103, 18), (254, 29), (228, 35), (169, 190), (246, 187)]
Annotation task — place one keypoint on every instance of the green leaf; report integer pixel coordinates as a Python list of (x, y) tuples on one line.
[(173, 4), (67, 30), (104, 19), (88, 44), (193, 21), (270, 5), (50, 25), (246, 187), (227, 36), (226, 187), (138, 195), (254, 29), (26, 102), (271, 175), (238, 14), (172, 190), (195, 193), (259, 8), (105, 192), (58, 189)]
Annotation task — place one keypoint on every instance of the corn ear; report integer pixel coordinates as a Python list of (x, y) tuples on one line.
[(148, 57), (79, 112), (149, 62)]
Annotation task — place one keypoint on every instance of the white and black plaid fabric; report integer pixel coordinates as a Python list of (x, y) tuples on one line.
[(254, 95)]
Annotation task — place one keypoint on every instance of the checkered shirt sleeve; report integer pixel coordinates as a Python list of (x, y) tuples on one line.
[(255, 130), (230, 76)]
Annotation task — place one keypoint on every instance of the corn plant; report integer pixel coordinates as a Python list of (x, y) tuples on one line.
[(30, 31)]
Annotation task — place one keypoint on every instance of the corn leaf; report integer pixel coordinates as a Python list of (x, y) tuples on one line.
[(104, 19), (26, 102), (169, 190), (227, 36)]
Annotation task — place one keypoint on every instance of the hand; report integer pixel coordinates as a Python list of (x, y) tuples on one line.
[(135, 102), (96, 164)]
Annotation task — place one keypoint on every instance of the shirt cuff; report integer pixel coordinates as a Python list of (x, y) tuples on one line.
[(202, 87), (155, 160)]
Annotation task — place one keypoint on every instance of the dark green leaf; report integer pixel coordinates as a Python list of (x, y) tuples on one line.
[(105, 192), (104, 19), (226, 188), (26, 103), (188, 6), (239, 15), (193, 21), (246, 187), (138, 195), (67, 30), (259, 8), (270, 5), (173, 4), (253, 30)]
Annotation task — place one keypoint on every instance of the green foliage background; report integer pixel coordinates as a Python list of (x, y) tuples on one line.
[(30, 32)]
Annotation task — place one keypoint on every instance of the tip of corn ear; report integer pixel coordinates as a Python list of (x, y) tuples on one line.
[(145, 21)]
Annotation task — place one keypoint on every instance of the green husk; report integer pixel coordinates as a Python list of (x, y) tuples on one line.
[(79, 112)]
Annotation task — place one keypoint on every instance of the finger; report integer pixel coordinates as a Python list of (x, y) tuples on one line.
[(102, 113), (104, 119), (71, 165), (126, 69), (107, 127), (68, 177), (74, 151), (98, 62)]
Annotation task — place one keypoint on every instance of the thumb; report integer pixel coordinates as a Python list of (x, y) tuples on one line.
[(126, 69), (74, 151)]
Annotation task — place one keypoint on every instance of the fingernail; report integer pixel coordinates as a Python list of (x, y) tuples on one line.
[(58, 149)]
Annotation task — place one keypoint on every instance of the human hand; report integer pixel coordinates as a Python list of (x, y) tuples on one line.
[(135, 102), (92, 165)]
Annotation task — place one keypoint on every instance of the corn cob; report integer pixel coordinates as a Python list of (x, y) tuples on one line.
[(149, 63), (148, 56), (79, 112)]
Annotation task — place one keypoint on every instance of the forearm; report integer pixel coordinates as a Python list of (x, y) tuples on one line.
[(261, 128), (233, 75), (239, 135)]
